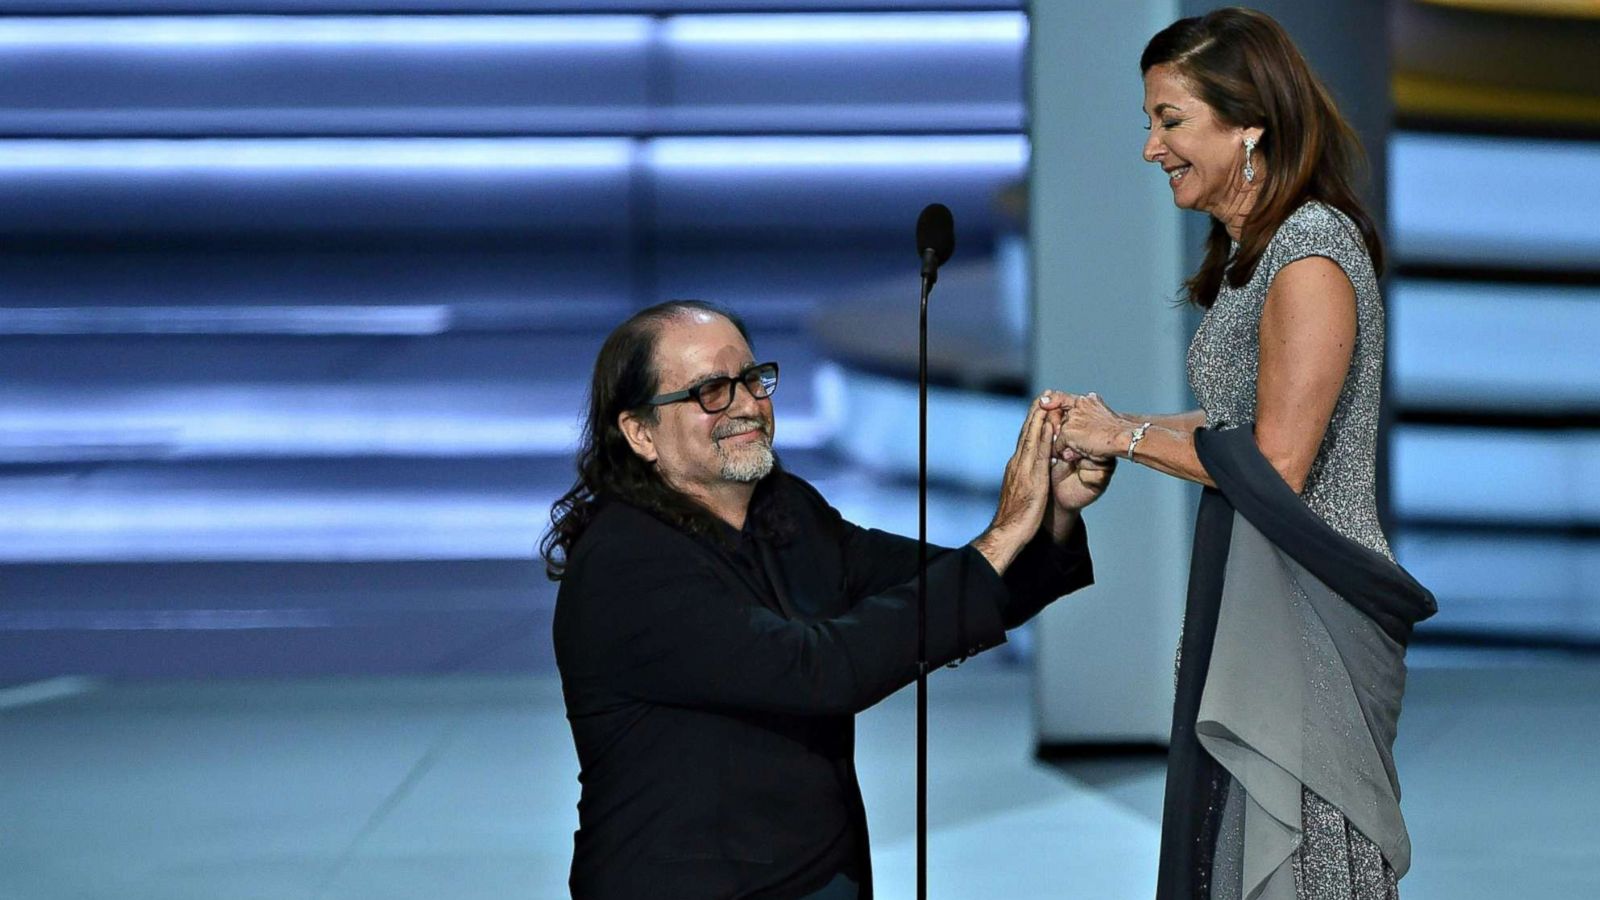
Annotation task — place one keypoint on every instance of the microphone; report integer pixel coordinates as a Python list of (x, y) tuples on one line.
[(936, 239)]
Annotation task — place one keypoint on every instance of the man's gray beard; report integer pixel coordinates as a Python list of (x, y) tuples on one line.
[(748, 464)]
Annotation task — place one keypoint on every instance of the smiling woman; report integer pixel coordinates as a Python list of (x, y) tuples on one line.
[(1203, 156), (1291, 794), (1240, 109)]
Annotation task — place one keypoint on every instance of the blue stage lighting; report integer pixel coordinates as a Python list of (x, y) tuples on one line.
[(965, 151), (246, 31), (1469, 345), (896, 28), (1495, 201), (315, 153), (1439, 475)]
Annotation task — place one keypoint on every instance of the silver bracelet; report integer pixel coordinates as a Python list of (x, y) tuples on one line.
[(1138, 435)]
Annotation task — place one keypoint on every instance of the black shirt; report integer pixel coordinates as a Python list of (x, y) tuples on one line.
[(714, 728), (752, 549)]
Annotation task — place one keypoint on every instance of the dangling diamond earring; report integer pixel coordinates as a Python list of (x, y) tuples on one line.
[(1249, 170)]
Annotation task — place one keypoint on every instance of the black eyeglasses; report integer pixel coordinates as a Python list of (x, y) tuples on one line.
[(716, 394)]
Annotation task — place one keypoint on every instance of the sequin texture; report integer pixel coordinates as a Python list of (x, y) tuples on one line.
[(1226, 352), (1334, 861)]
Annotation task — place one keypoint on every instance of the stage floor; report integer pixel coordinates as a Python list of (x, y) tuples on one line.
[(464, 787)]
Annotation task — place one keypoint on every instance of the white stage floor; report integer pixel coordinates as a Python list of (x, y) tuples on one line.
[(464, 787)]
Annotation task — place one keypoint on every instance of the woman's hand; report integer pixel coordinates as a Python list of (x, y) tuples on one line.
[(1090, 428)]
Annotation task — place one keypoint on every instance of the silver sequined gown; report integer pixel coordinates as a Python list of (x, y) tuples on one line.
[(1335, 862)]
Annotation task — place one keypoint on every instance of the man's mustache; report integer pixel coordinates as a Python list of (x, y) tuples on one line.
[(740, 426)]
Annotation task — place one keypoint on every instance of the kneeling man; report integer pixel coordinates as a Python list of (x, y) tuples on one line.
[(719, 624)]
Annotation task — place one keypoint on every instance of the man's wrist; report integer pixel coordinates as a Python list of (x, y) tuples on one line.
[(1000, 547), (1062, 521)]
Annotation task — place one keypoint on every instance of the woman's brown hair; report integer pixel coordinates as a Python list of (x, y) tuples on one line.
[(1243, 65)]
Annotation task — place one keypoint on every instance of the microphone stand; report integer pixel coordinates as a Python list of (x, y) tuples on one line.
[(930, 274)]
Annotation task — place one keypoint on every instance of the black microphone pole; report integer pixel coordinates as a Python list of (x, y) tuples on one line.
[(935, 242)]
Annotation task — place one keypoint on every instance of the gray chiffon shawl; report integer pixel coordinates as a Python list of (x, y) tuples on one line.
[(1293, 681)]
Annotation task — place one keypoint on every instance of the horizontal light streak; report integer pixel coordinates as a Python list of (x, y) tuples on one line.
[(1488, 475), (1471, 345), (220, 423), (1555, 9), (1512, 581), (175, 619), (266, 525), (60, 688), (268, 154), (288, 320), (243, 31), (977, 151), (871, 29), (210, 429), (1496, 201), (54, 155)]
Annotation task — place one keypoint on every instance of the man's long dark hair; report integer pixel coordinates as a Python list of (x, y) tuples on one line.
[(1244, 66), (625, 378)]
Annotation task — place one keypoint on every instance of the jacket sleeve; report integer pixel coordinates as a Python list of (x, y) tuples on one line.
[(670, 631), (1041, 573), (1045, 571)]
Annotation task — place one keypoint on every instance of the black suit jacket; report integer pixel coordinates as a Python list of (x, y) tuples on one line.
[(714, 716)]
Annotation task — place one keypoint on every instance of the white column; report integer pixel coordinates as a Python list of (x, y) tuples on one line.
[(1108, 261)]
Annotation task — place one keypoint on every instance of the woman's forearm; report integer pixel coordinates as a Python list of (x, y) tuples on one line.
[(1168, 445), (1170, 450), (1184, 421), (1090, 428)]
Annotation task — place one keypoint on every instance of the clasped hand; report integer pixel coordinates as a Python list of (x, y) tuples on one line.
[(1043, 488), (1089, 428)]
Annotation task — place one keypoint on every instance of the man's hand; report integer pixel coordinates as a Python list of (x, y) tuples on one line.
[(1076, 479), (1025, 492)]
